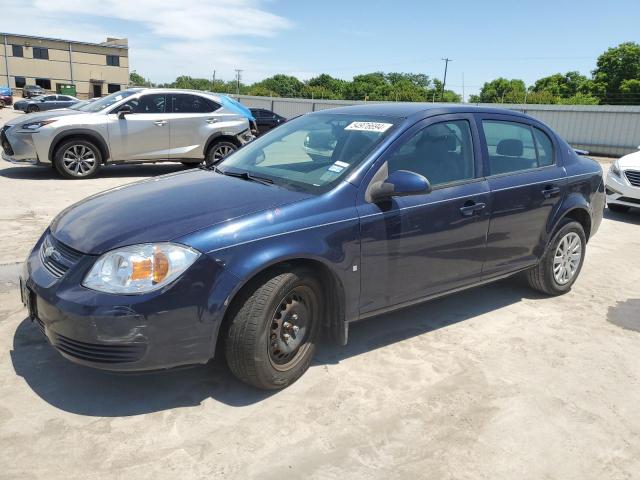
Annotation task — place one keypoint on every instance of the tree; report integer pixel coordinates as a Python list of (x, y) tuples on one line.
[(326, 86), (501, 90), (136, 80), (563, 86), (282, 85), (613, 68)]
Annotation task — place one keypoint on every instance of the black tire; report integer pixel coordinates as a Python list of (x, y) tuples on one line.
[(256, 345), (2, 104), (32, 109), (614, 207), (218, 151), (542, 277), (77, 159)]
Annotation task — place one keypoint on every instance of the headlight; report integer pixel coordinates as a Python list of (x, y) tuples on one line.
[(36, 125), (615, 169), (139, 268)]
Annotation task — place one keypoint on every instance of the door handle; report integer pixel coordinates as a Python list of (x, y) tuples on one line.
[(160, 123), (212, 120), (550, 191), (471, 207)]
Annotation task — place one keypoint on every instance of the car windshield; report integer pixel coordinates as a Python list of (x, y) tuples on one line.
[(107, 101), (80, 104), (312, 152), (39, 97)]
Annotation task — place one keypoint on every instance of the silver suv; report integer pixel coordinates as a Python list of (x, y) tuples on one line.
[(132, 126)]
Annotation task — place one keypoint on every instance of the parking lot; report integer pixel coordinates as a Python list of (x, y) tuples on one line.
[(496, 382)]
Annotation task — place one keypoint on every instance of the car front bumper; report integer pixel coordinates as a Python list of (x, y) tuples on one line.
[(621, 192), (18, 147), (171, 327)]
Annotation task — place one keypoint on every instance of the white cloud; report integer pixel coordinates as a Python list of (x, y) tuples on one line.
[(165, 39)]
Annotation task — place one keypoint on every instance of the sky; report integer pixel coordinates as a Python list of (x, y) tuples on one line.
[(514, 39)]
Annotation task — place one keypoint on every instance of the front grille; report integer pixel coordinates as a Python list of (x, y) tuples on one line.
[(628, 200), (633, 176), (96, 352), (4, 141), (56, 257)]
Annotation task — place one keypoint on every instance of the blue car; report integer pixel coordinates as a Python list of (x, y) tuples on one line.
[(45, 102), (267, 251)]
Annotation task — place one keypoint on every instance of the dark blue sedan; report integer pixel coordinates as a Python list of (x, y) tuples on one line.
[(45, 102), (277, 246)]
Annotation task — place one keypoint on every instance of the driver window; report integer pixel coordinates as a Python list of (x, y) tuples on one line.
[(442, 153), (152, 103)]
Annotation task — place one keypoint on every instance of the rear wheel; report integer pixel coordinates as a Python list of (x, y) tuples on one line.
[(77, 158), (2, 104), (614, 207), (32, 108), (561, 264), (273, 329), (218, 151)]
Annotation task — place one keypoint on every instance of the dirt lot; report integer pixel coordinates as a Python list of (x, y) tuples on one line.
[(497, 382)]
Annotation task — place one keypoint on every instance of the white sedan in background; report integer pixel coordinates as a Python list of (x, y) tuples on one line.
[(623, 183)]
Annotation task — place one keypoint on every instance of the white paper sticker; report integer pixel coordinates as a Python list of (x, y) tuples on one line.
[(369, 126), (335, 168), (341, 164)]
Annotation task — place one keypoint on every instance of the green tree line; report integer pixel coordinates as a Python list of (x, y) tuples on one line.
[(615, 80)]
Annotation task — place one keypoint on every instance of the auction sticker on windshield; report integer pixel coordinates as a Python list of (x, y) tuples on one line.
[(369, 126)]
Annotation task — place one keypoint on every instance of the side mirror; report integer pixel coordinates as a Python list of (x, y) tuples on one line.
[(400, 183), (42, 100), (123, 111)]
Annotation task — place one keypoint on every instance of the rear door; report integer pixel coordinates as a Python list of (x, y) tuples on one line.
[(420, 245), (143, 134), (193, 120), (527, 185)]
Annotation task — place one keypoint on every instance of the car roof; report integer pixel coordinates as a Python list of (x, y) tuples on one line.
[(408, 109)]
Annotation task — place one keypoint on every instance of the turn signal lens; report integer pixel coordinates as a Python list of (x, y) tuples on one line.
[(140, 268)]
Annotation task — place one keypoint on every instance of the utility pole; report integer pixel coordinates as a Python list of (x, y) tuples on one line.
[(213, 81), (444, 81), (238, 72), (463, 87)]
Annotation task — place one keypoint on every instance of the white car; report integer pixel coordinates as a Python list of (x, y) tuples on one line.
[(623, 183)]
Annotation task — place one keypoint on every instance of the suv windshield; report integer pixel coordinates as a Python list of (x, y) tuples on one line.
[(312, 152), (107, 101)]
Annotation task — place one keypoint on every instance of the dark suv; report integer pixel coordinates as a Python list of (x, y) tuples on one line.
[(29, 91), (267, 251)]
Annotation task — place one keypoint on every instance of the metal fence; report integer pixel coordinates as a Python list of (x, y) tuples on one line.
[(601, 129)]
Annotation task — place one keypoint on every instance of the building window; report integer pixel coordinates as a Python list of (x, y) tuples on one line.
[(20, 81), (113, 60), (17, 50), (113, 87), (44, 83), (41, 53)]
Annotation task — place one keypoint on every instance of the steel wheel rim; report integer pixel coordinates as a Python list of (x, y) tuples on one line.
[(290, 328), (221, 151), (78, 160), (567, 257)]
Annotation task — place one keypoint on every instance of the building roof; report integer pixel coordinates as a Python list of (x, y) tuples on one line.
[(107, 43)]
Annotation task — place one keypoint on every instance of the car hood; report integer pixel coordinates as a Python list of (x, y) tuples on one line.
[(630, 161), (33, 117), (163, 208)]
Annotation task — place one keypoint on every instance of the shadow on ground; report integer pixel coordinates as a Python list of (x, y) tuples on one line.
[(109, 171), (90, 392), (632, 216)]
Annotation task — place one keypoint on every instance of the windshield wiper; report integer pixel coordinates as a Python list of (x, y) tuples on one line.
[(245, 176)]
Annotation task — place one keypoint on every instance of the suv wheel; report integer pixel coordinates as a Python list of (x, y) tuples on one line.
[(32, 108), (219, 151), (272, 335), (77, 158), (561, 264)]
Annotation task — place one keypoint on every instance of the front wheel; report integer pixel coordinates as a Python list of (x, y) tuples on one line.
[(273, 329), (77, 159), (561, 264), (614, 207), (32, 108), (2, 104), (218, 151)]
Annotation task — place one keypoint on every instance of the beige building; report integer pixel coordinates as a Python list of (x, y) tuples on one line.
[(95, 69)]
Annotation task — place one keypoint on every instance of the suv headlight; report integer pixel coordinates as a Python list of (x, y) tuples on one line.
[(36, 125), (615, 169), (139, 268)]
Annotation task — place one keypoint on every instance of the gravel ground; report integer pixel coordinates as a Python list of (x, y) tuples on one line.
[(497, 382)]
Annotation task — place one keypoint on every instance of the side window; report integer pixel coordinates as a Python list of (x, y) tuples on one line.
[(50, 98), (442, 153), (511, 146), (184, 103), (152, 103), (545, 148)]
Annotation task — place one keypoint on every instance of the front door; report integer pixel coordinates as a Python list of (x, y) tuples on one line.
[(417, 246), (143, 134), (193, 121), (527, 186)]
